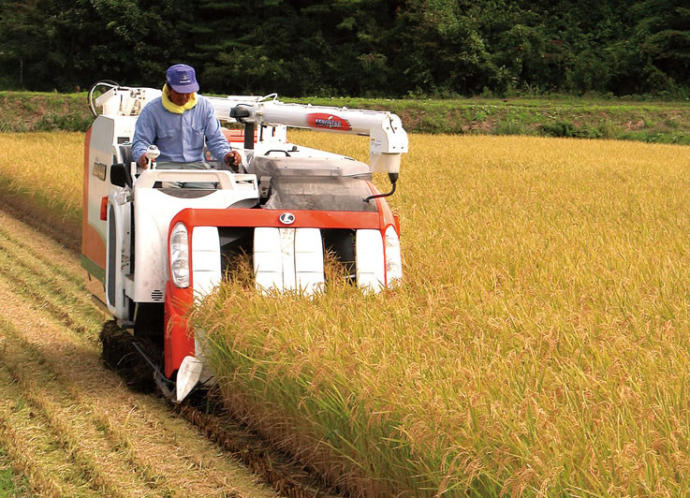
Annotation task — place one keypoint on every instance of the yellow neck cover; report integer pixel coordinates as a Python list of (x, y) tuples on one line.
[(174, 108)]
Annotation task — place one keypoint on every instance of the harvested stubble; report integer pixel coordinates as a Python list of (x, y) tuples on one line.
[(539, 344)]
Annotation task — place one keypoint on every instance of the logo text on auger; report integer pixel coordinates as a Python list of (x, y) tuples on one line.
[(328, 121)]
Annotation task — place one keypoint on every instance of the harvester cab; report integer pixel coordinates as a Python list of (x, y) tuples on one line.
[(154, 240)]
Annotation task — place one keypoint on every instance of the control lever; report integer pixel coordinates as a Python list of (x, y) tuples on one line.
[(152, 154)]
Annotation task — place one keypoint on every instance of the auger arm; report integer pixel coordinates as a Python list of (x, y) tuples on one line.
[(387, 137)]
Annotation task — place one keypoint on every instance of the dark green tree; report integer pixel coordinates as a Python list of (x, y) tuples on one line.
[(662, 36), (352, 47)]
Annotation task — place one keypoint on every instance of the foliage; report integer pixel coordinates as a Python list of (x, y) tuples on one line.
[(352, 47)]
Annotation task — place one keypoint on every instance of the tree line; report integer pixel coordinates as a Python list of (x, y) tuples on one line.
[(352, 47)]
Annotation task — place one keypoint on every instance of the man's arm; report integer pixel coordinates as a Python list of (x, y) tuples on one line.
[(215, 140), (144, 135)]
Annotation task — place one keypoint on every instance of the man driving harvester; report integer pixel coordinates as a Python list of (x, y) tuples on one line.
[(178, 122)]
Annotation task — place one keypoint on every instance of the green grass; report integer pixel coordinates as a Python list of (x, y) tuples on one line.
[(648, 121), (43, 111), (565, 116), (11, 483)]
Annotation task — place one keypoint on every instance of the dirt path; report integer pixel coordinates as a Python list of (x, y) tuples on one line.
[(69, 426)]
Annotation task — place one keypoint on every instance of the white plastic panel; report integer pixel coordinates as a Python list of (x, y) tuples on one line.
[(153, 211), (188, 376), (205, 260), (268, 266), (369, 260), (393, 259), (117, 257), (102, 146), (288, 259), (309, 260), (225, 179)]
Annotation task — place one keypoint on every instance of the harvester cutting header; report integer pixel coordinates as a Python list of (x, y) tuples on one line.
[(154, 239)]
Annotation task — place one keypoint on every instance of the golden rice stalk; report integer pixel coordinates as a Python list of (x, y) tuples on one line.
[(539, 343)]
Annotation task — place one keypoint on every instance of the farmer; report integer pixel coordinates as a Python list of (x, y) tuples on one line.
[(177, 123)]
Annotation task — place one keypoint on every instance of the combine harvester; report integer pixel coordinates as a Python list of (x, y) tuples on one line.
[(152, 244)]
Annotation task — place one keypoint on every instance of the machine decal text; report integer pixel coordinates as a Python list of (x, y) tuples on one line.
[(328, 121)]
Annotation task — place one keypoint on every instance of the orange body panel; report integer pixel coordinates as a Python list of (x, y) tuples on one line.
[(178, 341), (92, 245)]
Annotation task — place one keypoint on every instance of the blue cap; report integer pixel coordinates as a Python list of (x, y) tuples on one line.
[(182, 78)]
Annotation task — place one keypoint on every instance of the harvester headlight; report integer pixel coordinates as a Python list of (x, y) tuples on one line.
[(179, 255), (393, 259)]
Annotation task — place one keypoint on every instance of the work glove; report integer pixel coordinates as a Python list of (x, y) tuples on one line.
[(234, 160)]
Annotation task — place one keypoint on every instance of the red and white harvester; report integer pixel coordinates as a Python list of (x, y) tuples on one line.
[(155, 240)]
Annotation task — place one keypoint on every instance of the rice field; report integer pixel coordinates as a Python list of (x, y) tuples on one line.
[(540, 344), (46, 167)]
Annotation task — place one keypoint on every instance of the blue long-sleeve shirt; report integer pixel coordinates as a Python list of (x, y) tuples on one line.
[(179, 137)]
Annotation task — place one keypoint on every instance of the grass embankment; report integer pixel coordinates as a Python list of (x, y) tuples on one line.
[(42, 111), (540, 342), (659, 122), (562, 116)]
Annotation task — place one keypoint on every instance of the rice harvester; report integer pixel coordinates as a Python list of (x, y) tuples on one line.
[(154, 240)]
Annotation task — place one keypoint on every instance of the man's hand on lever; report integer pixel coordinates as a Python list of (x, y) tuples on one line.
[(234, 160)]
